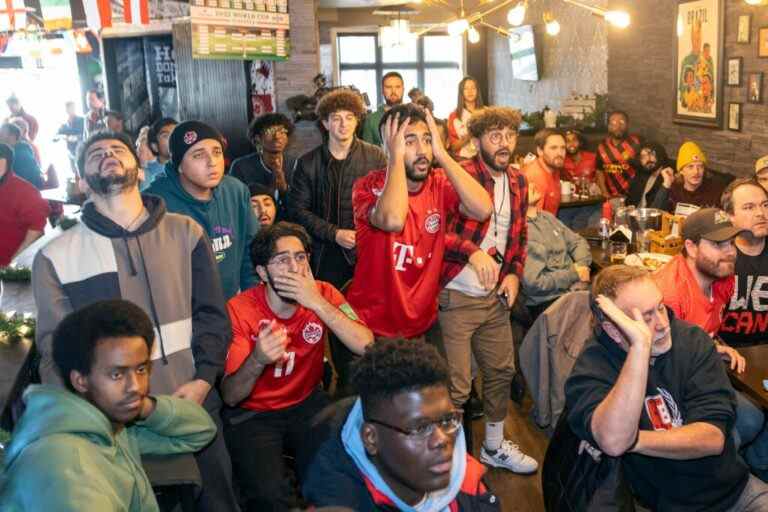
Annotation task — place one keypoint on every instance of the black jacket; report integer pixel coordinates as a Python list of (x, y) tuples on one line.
[(654, 198), (688, 384), (333, 480), (316, 189)]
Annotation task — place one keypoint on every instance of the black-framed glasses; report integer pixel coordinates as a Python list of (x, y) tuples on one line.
[(448, 425)]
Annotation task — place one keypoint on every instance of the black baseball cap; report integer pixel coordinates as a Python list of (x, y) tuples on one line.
[(710, 224)]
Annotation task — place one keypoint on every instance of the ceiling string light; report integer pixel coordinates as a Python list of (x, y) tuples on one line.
[(468, 23)]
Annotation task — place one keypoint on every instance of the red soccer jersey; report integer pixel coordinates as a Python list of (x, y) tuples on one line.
[(584, 169), (290, 381), (397, 275)]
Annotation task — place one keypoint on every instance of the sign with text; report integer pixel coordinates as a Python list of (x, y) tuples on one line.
[(240, 29)]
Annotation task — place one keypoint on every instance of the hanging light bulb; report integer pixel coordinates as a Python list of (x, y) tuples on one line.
[(516, 15), (619, 19), (551, 24), (754, 2), (457, 27), (473, 36)]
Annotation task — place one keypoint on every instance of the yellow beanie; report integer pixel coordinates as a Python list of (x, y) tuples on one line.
[(689, 153)]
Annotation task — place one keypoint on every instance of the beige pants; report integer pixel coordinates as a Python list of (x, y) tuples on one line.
[(479, 326)]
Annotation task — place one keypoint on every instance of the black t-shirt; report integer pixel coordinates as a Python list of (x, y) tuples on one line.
[(745, 320), (688, 384)]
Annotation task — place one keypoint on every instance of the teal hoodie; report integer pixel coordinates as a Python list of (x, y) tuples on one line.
[(64, 455), (227, 219)]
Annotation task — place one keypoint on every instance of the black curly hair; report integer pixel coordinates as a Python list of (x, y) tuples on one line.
[(264, 121), (412, 110), (154, 130), (265, 241), (391, 367), (76, 337)]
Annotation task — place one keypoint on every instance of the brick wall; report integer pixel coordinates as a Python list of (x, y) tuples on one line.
[(641, 76)]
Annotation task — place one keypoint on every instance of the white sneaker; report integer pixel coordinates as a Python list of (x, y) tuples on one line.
[(509, 457)]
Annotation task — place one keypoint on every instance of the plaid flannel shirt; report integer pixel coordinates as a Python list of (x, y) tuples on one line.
[(464, 236)]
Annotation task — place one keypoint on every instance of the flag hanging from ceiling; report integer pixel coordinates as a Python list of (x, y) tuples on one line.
[(103, 13), (13, 15), (57, 14)]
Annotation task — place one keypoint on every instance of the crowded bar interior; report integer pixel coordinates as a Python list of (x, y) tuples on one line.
[(378, 255)]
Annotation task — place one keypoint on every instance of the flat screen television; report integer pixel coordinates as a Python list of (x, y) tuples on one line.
[(522, 48)]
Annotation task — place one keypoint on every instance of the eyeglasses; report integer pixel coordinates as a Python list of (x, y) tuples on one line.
[(274, 131), (284, 260), (496, 137), (448, 425)]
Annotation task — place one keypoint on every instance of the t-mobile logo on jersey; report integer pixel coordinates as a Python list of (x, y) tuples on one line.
[(403, 254)]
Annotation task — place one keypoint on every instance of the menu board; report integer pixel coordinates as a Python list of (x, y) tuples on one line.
[(240, 29)]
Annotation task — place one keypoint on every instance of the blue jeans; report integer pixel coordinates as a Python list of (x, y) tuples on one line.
[(750, 433)]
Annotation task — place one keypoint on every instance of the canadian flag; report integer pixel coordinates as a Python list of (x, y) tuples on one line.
[(100, 13)]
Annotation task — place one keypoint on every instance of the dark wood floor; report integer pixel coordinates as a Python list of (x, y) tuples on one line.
[(518, 493)]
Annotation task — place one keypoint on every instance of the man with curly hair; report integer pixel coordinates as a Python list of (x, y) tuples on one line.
[(268, 166), (401, 446), (481, 276), (321, 197), (401, 216)]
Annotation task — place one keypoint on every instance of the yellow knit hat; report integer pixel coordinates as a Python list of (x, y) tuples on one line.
[(689, 153)]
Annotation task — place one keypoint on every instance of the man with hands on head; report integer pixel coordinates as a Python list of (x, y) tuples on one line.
[(481, 275), (652, 390), (401, 219), (275, 362)]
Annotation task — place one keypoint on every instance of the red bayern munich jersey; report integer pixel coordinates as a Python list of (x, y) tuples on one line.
[(397, 275), (290, 381)]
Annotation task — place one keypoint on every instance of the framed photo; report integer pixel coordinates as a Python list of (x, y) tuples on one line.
[(744, 29), (699, 62), (734, 70), (734, 117), (762, 42), (755, 87)]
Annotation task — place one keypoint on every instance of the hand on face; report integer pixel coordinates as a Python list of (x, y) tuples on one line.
[(634, 329), (299, 286)]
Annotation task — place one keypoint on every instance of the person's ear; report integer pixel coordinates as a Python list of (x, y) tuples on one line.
[(539, 151), (82, 184), (613, 331), (78, 381), (691, 248), (326, 124), (370, 439), (261, 271), (475, 142)]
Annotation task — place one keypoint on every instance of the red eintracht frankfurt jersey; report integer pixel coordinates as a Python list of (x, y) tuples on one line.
[(397, 275), (295, 377)]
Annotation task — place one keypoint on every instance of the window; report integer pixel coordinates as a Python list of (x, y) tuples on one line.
[(433, 63)]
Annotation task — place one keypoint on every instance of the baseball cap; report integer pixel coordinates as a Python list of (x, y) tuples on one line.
[(762, 163), (710, 224)]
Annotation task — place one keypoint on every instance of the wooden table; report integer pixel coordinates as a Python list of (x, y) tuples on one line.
[(573, 202), (751, 381)]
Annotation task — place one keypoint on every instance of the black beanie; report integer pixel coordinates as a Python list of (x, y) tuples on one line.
[(6, 153), (186, 135), (259, 189)]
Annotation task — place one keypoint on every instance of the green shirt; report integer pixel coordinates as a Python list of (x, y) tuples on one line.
[(371, 127)]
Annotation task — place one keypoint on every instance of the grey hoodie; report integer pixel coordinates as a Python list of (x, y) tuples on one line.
[(166, 267)]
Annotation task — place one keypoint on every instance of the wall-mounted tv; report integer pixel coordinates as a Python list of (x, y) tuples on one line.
[(522, 47)]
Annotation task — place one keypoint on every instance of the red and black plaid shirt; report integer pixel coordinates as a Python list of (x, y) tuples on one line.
[(464, 236)]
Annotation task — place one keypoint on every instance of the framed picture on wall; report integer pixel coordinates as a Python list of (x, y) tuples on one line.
[(734, 117), (762, 42), (734, 70), (699, 62), (755, 88), (744, 29)]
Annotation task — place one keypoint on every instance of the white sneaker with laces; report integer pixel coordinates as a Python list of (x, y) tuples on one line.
[(509, 457)]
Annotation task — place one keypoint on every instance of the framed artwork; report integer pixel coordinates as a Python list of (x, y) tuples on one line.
[(744, 29), (762, 42), (734, 117), (734, 70), (755, 87), (699, 63)]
